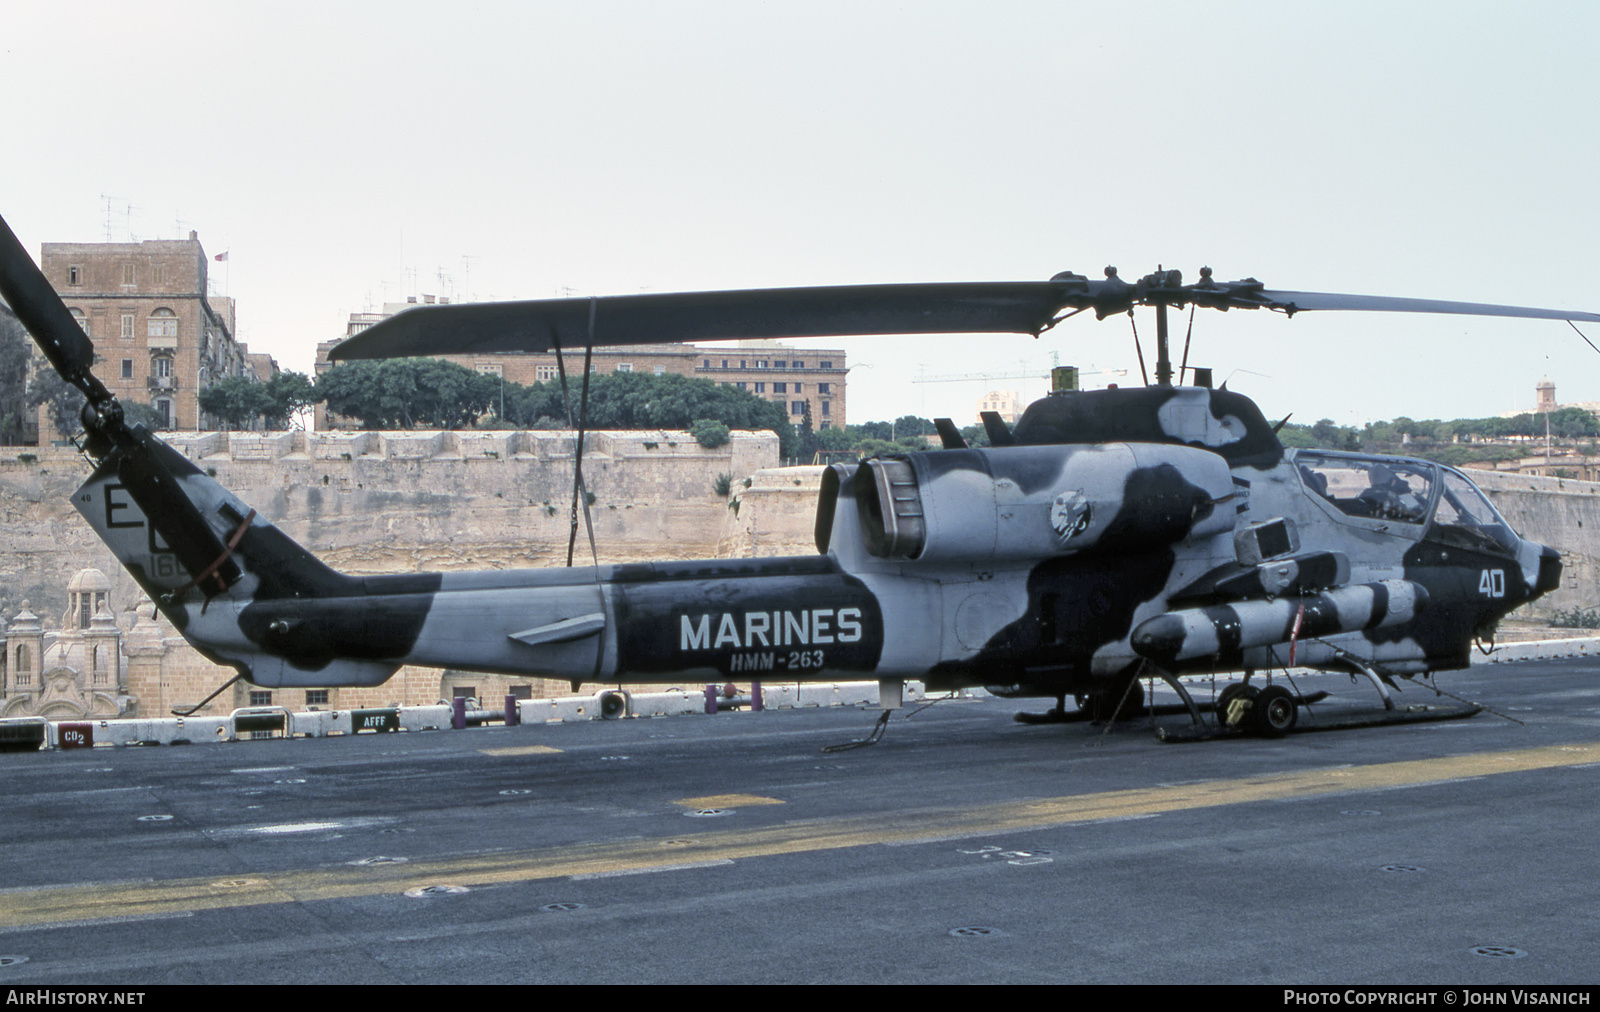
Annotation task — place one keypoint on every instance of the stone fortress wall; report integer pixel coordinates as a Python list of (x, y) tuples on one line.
[(377, 502), (403, 502)]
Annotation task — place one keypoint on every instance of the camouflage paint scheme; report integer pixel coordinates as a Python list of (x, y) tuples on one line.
[(1160, 526)]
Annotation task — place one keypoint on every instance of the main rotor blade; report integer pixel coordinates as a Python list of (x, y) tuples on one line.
[(1299, 302), (1025, 307), (45, 316)]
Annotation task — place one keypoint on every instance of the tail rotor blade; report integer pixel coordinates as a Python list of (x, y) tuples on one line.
[(151, 472), (46, 317)]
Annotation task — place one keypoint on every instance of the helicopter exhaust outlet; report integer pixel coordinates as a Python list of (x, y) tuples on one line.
[(1223, 631)]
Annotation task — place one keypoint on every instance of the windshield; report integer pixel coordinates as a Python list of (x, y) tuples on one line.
[(1464, 517)]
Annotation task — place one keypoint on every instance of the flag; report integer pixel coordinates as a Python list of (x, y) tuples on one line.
[(221, 256)]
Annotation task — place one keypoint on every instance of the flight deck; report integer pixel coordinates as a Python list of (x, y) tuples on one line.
[(963, 847)]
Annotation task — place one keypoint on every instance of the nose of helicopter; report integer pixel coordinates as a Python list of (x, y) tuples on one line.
[(1549, 571)]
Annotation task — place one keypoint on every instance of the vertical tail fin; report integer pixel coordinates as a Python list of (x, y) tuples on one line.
[(218, 597)]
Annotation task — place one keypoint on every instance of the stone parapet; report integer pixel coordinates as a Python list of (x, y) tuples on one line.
[(370, 502), (772, 512)]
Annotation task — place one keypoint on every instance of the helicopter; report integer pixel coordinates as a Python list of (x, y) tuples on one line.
[(1109, 536)]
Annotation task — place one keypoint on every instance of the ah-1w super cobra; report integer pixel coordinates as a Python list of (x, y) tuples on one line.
[(1112, 534)]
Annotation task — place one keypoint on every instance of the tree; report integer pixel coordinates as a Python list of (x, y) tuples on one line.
[(236, 401), (16, 348), (288, 394), (406, 393), (140, 413), (805, 436), (63, 402), (1329, 436), (709, 433)]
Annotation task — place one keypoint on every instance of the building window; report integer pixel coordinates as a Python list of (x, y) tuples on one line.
[(799, 388), (826, 365), (708, 363), (825, 408), (741, 386), (779, 364), (127, 368), (797, 407), (127, 325), (624, 367), (780, 388), (164, 409), (761, 388), (127, 275), (489, 369), (661, 370), (316, 697), (164, 323), (163, 365), (724, 363), (797, 365), (160, 274), (260, 697), (81, 320), (544, 373), (822, 388), (74, 275)]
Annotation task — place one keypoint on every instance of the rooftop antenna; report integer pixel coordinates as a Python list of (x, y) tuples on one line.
[(467, 259), (108, 201)]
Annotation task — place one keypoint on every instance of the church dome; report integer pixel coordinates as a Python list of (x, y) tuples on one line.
[(89, 580)]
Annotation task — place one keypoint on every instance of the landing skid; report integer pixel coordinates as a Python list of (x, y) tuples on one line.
[(1417, 714), (1054, 715)]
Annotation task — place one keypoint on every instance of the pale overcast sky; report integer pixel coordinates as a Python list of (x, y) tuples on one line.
[(348, 154)]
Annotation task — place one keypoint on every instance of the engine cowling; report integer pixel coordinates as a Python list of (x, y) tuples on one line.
[(1012, 504)]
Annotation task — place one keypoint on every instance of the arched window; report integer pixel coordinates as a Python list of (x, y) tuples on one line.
[(24, 664), (81, 320), (163, 323)]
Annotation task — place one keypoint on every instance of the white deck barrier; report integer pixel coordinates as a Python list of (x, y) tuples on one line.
[(277, 721), (1539, 650)]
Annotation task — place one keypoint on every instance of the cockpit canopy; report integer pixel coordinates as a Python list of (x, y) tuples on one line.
[(1410, 492)]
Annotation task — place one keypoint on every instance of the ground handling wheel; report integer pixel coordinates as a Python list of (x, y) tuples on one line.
[(1273, 712)]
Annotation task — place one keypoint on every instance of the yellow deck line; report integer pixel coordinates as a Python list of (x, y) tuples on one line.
[(49, 905)]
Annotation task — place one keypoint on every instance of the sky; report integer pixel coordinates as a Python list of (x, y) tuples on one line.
[(348, 154)]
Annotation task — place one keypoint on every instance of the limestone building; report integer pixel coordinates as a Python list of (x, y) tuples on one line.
[(77, 671), (160, 338), (795, 377), (1006, 403)]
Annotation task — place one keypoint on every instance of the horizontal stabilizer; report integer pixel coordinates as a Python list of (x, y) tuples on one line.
[(566, 630)]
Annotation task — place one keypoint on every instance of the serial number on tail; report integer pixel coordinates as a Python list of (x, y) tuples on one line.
[(794, 660)]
